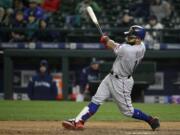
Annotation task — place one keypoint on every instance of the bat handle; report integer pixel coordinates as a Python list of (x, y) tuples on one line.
[(100, 30)]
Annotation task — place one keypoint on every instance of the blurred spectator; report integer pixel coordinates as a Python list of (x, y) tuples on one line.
[(153, 36), (32, 26), (51, 5), (18, 35), (8, 18), (6, 5), (173, 20), (42, 34), (89, 74), (2, 15), (72, 19), (42, 86), (126, 21), (141, 9), (5, 21), (81, 8), (160, 8), (19, 6), (35, 8)]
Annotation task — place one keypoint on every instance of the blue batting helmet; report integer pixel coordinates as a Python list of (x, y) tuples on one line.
[(137, 31)]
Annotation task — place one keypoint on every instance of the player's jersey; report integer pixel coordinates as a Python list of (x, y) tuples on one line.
[(128, 57)]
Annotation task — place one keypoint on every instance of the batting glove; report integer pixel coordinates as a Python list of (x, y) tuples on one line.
[(104, 39)]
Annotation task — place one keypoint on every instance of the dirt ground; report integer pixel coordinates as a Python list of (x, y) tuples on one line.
[(92, 128)]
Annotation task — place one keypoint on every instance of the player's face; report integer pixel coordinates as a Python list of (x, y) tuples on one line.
[(31, 19), (152, 22), (95, 66), (19, 17), (131, 40), (42, 69), (32, 4), (43, 24)]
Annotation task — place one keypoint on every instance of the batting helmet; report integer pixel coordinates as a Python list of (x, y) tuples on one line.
[(137, 31)]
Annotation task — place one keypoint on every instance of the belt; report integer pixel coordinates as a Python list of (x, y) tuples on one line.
[(119, 76)]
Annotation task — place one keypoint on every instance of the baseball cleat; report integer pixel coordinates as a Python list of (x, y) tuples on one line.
[(72, 125), (154, 123)]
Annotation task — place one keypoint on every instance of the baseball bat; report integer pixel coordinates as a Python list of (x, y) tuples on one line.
[(94, 19)]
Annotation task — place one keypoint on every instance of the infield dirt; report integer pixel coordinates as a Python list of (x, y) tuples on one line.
[(91, 128)]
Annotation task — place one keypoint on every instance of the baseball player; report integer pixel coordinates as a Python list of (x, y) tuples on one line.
[(119, 82)]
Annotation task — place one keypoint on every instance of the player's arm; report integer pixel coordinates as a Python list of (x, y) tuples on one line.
[(107, 42)]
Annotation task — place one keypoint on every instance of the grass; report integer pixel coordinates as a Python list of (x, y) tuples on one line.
[(44, 110)]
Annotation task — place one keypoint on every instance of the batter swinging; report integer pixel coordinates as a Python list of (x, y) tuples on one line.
[(119, 82)]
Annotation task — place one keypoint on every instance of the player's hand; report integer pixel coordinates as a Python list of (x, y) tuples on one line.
[(104, 39)]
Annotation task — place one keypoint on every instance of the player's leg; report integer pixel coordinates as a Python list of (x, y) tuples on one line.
[(121, 91), (121, 95), (101, 95), (78, 122)]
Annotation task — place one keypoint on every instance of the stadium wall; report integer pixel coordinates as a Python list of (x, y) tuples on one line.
[(167, 76)]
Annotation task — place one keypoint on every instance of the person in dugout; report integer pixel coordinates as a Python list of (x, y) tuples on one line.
[(88, 75), (42, 86)]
